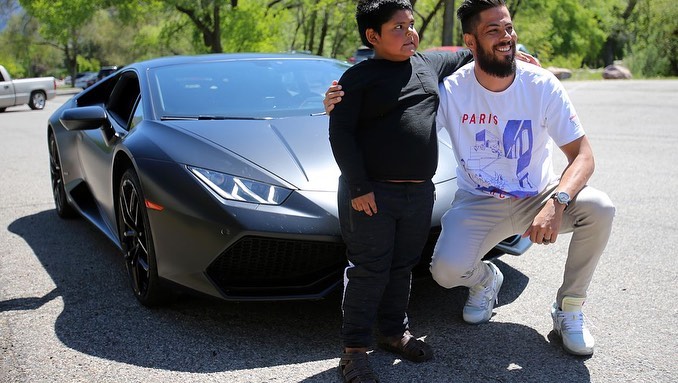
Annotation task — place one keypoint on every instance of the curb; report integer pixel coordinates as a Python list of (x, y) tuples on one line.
[(67, 91)]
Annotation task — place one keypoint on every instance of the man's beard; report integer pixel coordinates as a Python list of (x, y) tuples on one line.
[(503, 67)]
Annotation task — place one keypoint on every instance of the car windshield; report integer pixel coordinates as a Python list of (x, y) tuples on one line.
[(248, 89)]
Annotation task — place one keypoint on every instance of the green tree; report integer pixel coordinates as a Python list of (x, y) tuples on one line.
[(62, 23), (89, 33), (323, 27), (654, 44), (117, 39), (24, 52), (205, 16), (618, 37), (19, 33)]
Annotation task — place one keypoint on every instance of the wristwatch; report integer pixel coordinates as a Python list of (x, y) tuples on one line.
[(561, 197)]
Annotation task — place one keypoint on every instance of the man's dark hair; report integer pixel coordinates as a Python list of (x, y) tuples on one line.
[(374, 13), (469, 12)]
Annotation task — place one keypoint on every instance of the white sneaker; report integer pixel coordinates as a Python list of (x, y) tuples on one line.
[(568, 322), (481, 299)]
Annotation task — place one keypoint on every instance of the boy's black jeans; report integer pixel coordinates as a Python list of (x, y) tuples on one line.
[(382, 250)]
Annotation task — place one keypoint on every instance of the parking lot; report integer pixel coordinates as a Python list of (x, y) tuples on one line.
[(67, 313)]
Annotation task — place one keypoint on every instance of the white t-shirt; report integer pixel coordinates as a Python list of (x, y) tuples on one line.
[(503, 141)]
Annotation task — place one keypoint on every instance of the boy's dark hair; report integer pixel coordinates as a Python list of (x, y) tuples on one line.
[(374, 13), (469, 11)]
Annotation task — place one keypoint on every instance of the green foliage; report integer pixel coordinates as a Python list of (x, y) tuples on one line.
[(342, 37), (248, 28), (60, 18), (529, 24), (15, 70), (91, 33), (655, 47), (25, 51), (574, 32), (324, 27), (13, 40), (431, 34), (115, 43), (88, 65)]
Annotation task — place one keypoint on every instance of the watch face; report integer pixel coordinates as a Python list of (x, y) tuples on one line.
[(563, 198)]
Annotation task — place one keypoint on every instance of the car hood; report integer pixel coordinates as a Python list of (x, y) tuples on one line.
[(295, 149)]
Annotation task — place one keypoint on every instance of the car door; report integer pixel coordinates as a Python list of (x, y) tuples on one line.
[(97, 147)]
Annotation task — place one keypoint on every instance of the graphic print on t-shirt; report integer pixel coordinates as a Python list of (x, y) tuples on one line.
[(499, 166)]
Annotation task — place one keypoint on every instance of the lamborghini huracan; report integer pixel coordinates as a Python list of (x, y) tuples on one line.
[(214, 173)]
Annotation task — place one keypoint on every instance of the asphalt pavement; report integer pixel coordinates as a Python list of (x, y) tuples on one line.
[(67, 313)]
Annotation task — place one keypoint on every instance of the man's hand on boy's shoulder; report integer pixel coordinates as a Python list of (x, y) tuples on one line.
[(522, 56), (332, 96)]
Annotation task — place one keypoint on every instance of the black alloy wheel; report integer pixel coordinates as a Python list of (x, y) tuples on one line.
[(63, 207), (137, 241)]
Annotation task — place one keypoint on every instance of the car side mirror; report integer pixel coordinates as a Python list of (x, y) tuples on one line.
[(84, 118)]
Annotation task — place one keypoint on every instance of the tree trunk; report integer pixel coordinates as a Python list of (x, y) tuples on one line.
[(209, 26), (427, 19), (71, 55), (323, 33), (311, 32), (613, 39), (514, 7), (448, 23), (217, 47), (629, 9)]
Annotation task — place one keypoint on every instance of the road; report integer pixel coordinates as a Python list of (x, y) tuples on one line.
[(67, 313)]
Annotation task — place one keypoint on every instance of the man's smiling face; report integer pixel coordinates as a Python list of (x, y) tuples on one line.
[(494, 42)]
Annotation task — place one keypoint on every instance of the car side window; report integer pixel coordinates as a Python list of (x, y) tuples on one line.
[(124, 97), (138, 115)]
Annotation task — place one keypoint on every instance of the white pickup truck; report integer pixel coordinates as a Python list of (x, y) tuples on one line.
[(32, 91)]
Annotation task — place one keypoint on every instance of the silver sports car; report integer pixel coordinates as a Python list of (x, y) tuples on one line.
[(214, 173)]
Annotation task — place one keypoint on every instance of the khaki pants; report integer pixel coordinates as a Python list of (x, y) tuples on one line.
[(475, 224)]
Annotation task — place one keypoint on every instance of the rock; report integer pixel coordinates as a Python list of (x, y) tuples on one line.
[(560, 73), (616, 72)]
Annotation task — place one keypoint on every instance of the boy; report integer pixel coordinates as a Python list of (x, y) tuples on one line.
[(384, 140)]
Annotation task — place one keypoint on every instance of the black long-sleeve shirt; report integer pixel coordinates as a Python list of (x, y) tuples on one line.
[(384, 127)]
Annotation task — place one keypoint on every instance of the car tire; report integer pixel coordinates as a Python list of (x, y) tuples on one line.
[(63, 207), (37, 100), (137, 242)]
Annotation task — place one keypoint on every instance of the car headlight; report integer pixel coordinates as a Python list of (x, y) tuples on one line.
[(241, 189)]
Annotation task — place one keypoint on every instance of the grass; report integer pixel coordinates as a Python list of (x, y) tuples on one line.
[(586, 74)]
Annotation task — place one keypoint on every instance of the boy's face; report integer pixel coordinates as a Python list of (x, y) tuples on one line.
[(398, 39), (494, 42)]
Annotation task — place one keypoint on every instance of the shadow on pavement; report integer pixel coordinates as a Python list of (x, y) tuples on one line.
[(102, 318)]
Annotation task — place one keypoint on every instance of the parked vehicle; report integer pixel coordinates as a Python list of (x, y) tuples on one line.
[(69, 81), (86, 80), (361, 54), (215, 172), (105, 71), (32, 91)]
